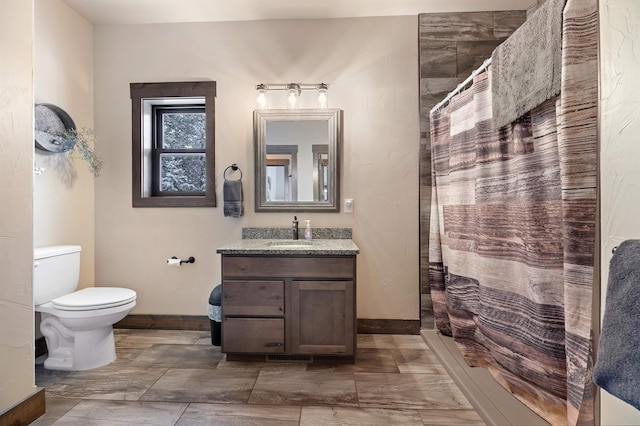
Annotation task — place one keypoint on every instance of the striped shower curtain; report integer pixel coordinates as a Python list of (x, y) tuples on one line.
[(513, 227)]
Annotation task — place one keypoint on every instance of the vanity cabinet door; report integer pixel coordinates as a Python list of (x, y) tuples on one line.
[(253, 335), (322, 317)]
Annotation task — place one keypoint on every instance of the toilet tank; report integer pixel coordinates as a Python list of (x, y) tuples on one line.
[(56, 271)]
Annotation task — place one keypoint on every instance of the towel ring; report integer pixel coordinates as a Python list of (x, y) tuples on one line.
[(233, 167)]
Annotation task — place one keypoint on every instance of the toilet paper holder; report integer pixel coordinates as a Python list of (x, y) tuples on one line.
[(191, 259)]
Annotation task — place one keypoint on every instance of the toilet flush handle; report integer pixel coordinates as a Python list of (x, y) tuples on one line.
[(36, 264)]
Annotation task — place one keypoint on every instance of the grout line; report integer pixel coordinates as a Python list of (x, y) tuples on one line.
[(186, 407)]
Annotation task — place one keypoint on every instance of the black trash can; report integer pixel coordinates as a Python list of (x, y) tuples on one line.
[(215, 314)]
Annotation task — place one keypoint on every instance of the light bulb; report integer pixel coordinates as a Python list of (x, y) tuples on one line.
[(323, 99), (261, 100), (292, 99)]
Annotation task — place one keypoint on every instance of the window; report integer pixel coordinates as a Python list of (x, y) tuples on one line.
[(179, 155), (173, 127)]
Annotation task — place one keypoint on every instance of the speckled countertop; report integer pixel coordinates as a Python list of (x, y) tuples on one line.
[(324, 247), (286, 233)]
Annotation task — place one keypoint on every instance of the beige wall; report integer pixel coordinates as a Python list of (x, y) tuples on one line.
[(63, 76), (16, 212), (620, 151), (371, 65)]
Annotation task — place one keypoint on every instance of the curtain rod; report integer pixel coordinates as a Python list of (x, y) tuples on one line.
[(461, 86)]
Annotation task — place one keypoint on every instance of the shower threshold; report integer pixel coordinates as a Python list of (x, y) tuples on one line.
[(493, 403)]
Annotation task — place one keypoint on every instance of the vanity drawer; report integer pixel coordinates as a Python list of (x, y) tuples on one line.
[(252, 298), (284, 266), (253, 335)]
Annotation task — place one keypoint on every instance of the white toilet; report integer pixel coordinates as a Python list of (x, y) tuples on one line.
[(77, 325)]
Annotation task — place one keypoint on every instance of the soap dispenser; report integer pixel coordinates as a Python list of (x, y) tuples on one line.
[(307, 230), (294, 227)]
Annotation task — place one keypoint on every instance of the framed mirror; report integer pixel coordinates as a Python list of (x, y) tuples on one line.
[(297, 160)]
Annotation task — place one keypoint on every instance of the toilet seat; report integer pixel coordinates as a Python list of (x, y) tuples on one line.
[(92, 298)]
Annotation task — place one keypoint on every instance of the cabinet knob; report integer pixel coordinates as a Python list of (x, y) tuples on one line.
[(274, 344)]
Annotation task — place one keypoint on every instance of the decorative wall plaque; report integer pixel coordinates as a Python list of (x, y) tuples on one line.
[(51, 123)]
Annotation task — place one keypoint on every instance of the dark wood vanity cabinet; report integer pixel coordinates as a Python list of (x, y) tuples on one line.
[(288, 305)]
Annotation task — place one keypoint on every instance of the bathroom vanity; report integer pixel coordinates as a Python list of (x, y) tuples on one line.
[(289, 299)]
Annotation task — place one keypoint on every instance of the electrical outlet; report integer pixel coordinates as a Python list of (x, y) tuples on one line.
[(348, 205)]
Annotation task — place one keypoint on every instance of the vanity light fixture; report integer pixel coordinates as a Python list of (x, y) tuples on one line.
[(294, 91)]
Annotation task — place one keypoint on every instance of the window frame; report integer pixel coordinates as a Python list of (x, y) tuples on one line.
[(174, 93)]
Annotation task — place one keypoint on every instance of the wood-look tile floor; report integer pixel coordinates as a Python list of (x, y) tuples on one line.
[(164, 377)]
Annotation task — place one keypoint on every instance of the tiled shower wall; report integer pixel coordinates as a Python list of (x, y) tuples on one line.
[(452, 45)]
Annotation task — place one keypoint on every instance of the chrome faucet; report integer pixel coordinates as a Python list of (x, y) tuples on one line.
[(294, 227)]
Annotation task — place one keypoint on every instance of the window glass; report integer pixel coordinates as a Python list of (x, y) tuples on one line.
[(183, 173), (183, 130)]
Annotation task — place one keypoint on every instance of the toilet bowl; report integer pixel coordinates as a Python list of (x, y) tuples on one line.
[(77, 325)]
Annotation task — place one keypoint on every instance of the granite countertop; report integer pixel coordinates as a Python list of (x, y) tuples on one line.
[(328, 247)]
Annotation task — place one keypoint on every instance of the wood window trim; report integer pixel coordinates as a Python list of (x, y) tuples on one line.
[(140, 92)]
